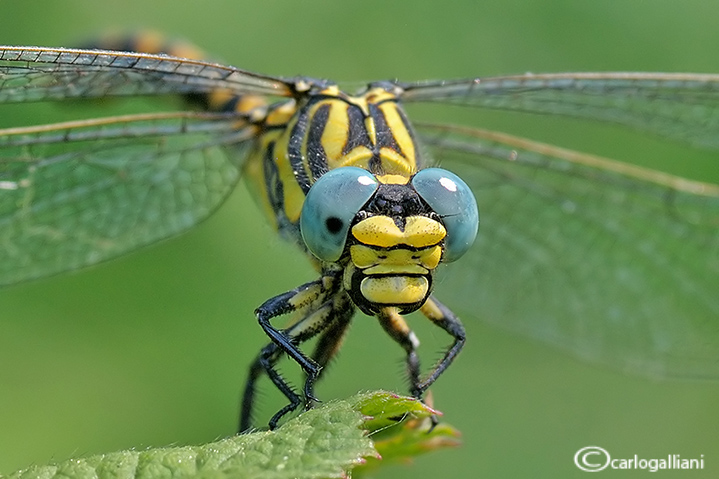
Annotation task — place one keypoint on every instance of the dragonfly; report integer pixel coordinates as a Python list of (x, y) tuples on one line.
[(615, 263)]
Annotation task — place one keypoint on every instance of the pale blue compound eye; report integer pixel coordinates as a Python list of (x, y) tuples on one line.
[(454, 202), (330, 205)]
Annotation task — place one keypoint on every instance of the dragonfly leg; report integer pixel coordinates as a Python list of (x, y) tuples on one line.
[(441, 315), (314, 304), (395, 325), (264, 363), (331, 339), (268, 356)]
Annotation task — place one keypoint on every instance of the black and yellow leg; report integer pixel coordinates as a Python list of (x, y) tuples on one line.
[(441, 315), (331, 339), (395, 325), (314, 303), (262, 364)]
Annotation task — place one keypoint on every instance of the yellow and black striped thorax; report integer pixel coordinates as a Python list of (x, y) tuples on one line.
[(324, 129)]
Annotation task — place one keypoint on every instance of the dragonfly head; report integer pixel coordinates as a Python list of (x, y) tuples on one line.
[(389, 232)]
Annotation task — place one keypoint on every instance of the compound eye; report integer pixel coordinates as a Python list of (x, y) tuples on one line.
[(331, 204), (453, 201)]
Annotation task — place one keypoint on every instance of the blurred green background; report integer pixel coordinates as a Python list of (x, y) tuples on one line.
[(152, 349)]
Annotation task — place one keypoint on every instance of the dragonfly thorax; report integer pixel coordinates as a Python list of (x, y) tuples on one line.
[(301, 141)]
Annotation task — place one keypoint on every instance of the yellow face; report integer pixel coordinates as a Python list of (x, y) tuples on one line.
[(393, 266)]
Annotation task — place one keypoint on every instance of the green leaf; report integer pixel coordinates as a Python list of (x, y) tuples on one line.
[(325, 442), (401, 428)]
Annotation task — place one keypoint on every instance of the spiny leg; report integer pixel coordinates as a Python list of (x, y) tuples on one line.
[(269, 355), (441, 315), (331, 339), (311, 304), (330, 319), (264, 363), (395, 325)]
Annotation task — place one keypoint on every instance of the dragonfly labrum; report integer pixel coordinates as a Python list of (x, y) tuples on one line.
[(617, 263)]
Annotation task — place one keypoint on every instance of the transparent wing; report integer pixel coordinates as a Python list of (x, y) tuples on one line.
[(37, 74), (618, 264), (675, 105), (77, 193)]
